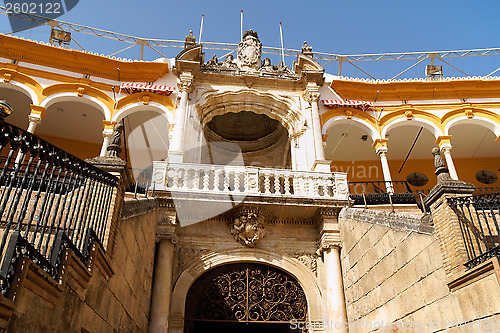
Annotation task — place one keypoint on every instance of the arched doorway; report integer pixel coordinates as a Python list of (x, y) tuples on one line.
[(244, 297)]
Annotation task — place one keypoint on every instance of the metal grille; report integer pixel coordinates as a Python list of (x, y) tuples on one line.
[(246, 293), (49, 201), (479, 217)]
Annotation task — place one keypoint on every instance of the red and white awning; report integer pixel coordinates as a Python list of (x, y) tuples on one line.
[(364, 105), (132, 87)]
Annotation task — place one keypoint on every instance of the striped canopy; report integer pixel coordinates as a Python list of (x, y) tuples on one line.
[(132, 87), (350, 104)]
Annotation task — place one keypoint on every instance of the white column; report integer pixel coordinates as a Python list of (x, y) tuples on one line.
[(160, 300), (335, 291), (106, 134), (176, 150), (312, 96), (382, 152), (446, 150), (34, 121)]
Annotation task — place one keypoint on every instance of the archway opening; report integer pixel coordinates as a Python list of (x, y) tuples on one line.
[(475, 154), (73, 126), (20, 102), (350, 149), (263, 141), (245, 297), (146, 140)]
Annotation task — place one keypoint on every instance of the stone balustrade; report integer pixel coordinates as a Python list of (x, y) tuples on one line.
[(224, 179)]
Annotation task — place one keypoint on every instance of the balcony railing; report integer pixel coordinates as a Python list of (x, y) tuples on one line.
[(49, 201), (479, 218), (202, 178), (381, 192)]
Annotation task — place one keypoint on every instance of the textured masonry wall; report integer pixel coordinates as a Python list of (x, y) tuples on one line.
[(393, 273), (118, 304)]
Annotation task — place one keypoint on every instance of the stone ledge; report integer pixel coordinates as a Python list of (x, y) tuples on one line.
[(474, 274), (133, 207), (402, 222)]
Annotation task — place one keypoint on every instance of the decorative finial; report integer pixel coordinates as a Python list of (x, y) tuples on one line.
[(190, 40), (442, 171), (307, 50), (114, 148), (5, 108)]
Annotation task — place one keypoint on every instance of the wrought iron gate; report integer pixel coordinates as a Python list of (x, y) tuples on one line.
[(246, 293)]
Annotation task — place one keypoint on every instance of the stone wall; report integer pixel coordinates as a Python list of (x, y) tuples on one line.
[(394, 275), (110, 294)]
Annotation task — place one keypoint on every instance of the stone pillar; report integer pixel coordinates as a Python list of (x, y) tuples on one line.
[(381, 149), (35, 117), (106, 134), (162, 288), (176, 151), (331, 272), (312, 96), (445, 147), (117, 167), (445, 219)]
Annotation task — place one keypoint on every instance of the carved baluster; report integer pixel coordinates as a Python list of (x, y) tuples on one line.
[(206, 179), (309, 185), (327, 188), (185, 179), (175, 179), (277, 185), (267, 183), (227, 174), (237, 175), (196, 179), (216, 179), (315, 183), (287, 184), (298, 185)]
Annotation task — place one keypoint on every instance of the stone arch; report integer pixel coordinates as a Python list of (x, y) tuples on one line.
[(402, 121), (130, 108), (482, 121), (304, 276), (23, 88), (279, 108), (73, 97), (360, 123)]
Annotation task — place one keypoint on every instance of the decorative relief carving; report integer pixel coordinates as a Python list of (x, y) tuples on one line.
[(249, 51), (409, 115), (248, 60), (80, 91), (308, 259), (248, 227)]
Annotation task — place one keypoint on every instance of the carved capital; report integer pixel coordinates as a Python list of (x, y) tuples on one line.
[(167, 237), (381, 151), (35, 118), (185, 82), (312, 93)]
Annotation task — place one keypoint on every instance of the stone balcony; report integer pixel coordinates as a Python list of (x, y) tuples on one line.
[(203, 191)]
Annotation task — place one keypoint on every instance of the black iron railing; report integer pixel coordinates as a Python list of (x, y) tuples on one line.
[(479, 219), (381, 192), (49, 201)]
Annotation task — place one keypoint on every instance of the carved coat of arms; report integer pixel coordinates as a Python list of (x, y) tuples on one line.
[(249, 51), (248, 228)]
